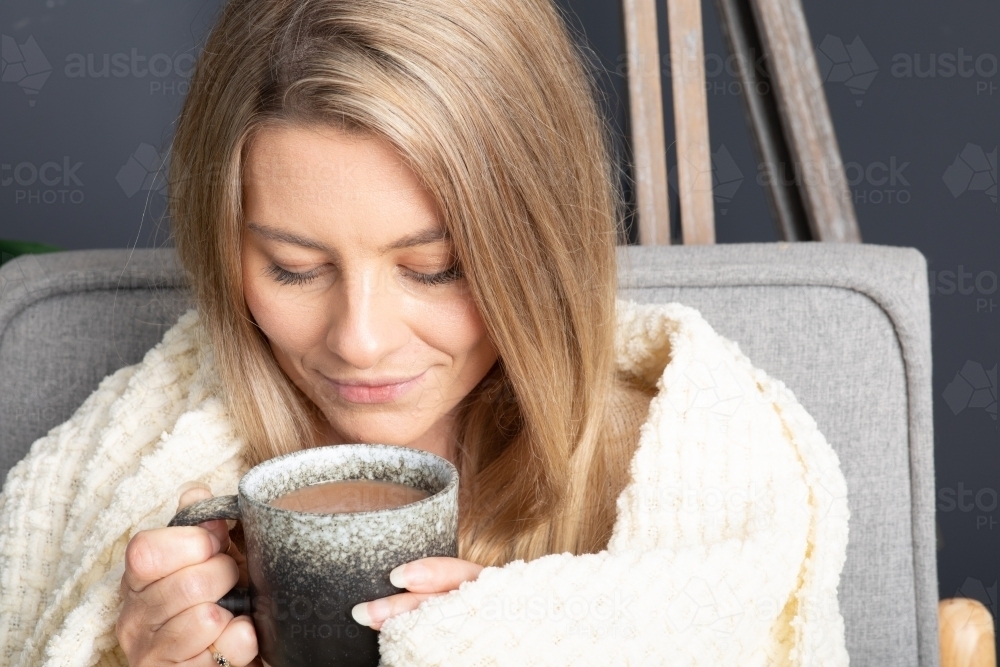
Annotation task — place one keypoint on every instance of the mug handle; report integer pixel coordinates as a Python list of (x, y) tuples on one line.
[(237, 601)]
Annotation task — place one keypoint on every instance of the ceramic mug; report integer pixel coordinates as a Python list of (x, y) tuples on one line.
[(308, 570)]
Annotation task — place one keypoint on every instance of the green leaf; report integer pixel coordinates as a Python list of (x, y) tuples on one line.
[(10, 249)]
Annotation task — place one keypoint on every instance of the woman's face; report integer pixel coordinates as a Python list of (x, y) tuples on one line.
[(348, 272)]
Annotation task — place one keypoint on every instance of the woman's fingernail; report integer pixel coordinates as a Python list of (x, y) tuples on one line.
[(360, 614), (397, 578), (190, 492), (187, 486), (367, 613), (408, 574)]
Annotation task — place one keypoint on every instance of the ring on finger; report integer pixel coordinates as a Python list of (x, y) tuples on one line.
[(218, 658)]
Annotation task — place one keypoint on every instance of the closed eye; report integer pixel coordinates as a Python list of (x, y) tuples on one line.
[(289, 278), (451, 274)]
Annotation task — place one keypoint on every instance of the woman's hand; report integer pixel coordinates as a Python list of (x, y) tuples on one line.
[(173, 577), (423, 578)]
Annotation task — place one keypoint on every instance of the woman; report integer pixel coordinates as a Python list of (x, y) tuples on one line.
[(399, 218)]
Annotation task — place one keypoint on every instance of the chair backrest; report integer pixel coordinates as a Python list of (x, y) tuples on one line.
[(846, 327)]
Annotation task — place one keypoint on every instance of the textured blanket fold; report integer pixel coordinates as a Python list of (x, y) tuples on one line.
[(727, 547)]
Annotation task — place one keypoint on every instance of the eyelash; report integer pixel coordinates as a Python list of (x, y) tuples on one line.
[(284, 277)]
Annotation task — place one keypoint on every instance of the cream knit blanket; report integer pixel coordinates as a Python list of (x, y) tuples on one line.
[(727, 548)]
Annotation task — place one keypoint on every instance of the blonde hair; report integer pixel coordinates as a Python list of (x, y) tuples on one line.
[(490, 104)]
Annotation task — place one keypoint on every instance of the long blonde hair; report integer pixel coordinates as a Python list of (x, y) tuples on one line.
[(490, 103)]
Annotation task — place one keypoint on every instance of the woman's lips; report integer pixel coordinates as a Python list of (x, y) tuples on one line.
[(383, 393)]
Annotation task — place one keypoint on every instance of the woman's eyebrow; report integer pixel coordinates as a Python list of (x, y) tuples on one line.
[(286, 237), (422, 237)]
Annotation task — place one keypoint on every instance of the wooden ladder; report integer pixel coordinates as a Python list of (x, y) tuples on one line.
[(788, 117)]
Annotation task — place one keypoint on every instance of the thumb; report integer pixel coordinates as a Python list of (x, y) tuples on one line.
[(192, 492)]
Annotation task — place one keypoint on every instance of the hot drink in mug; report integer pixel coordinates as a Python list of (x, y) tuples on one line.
[(323, 528)]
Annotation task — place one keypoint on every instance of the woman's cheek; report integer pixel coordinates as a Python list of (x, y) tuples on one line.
[(292, 325), (456, 328), (266, 310), (462, 320)]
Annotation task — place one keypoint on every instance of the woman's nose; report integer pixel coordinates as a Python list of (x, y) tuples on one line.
[(366, 324)]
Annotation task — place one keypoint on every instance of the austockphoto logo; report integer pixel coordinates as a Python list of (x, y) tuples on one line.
[(973, 170), (974, 387), (710, 500), (715, 66), (701, 604), (981, 285), (168, 74), (719, 608), (849, 63), (144, 171), (980, 502), (974, 589), (24, 65), (978, 67), (604, 614), (580, 608), (717, 392), (20, 278), (876, 182), (726, 178), (55, 181)]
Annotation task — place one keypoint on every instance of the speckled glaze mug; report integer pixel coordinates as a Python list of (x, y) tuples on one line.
[(308, 570)]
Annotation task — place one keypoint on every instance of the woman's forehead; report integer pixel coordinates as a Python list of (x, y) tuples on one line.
[(318, 188), (325, 158), (327, 166)]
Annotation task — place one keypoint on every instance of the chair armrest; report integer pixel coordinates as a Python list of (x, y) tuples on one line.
[(966, 629)]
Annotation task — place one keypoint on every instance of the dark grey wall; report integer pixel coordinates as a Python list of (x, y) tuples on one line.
[(89, 92), (90, 89)]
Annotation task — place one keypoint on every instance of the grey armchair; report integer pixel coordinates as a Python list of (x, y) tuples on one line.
[(845, 327)]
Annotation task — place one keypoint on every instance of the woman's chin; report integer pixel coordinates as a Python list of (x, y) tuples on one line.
[(382, 433)]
